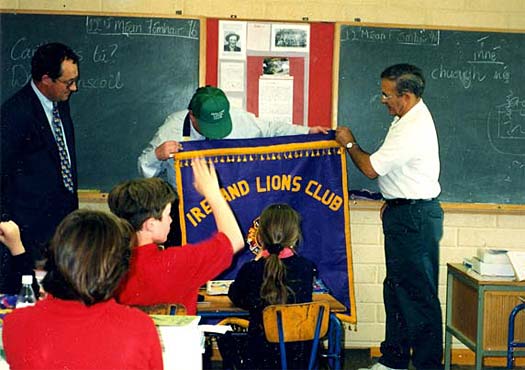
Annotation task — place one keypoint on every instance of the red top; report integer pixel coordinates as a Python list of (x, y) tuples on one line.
[(174, 275), (59, 334)]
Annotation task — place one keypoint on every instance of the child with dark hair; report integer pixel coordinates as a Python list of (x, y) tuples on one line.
[(79, 325), (278, 276)]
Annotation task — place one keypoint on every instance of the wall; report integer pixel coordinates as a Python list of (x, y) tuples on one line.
[(464, 231)]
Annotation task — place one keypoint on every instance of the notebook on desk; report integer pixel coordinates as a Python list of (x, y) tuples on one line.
[(221, 287), (218, 287)]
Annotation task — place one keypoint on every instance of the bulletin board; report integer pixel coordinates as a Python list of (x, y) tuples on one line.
[(310, 66)]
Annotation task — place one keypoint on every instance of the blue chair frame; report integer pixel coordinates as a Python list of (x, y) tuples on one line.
[(511, 343), (315, 339)]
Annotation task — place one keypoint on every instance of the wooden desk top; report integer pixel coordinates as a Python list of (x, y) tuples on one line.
[(460, 269), (222, 303)]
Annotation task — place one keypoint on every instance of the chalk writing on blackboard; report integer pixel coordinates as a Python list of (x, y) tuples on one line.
[(506, 126), (519, 167), (399, 36), (141, 27), (484, 64), (22, 51)]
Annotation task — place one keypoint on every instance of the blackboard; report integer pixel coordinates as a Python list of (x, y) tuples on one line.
[(134, 71), (475, 90)]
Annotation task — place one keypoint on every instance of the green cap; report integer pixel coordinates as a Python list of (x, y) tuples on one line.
[(211, 108)]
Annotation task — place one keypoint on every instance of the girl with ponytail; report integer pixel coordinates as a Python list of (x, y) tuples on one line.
[(277, 276)]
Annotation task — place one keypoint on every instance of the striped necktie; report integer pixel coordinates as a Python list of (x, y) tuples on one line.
[(65, 166)]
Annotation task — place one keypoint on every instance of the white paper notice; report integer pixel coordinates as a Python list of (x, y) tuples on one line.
[(231, 76), (276, 98), (235, 101), (259, 36)]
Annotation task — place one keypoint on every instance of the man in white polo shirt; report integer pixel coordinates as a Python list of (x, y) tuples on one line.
[(407, 167)]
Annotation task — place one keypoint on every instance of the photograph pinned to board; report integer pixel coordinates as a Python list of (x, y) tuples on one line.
[(290, 37), (276, 66), (232, 40)]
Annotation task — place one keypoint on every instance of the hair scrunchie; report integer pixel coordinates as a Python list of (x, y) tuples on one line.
[(274, 248)]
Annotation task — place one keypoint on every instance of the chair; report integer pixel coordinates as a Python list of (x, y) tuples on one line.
[(164, 309), (238, 325), (296, 322), (229, 344), (511, 342)]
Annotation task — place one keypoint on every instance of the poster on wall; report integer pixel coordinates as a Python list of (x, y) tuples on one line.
[(259, 35), (276, 98), (232, 40), (290, 37), (232, 76)]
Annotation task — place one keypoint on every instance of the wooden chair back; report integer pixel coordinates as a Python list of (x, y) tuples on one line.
[(299, 321)]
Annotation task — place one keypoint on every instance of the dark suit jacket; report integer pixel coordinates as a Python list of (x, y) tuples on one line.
[(32, 192)]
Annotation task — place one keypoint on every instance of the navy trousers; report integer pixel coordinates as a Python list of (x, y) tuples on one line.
[(414, 330)]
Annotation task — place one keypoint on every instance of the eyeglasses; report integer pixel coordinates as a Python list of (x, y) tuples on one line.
[(385, 96), (67, 83)]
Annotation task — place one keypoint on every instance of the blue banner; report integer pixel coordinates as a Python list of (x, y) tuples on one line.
[(306, 171)]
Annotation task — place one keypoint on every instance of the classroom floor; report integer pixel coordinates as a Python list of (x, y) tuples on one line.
[(357, 358)]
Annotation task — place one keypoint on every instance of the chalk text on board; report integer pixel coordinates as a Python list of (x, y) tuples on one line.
[(142, 27)]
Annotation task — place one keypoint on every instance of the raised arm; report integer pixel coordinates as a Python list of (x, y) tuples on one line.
[(22, 264), (206, 183), (10, 237)]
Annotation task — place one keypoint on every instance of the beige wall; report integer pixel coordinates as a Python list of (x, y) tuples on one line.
[(464, 232), (504, 14)]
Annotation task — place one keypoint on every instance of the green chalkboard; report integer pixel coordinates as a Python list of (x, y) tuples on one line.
[(475, 91), (134, 71)]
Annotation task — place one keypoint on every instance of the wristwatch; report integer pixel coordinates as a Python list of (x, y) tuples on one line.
[(350, 144)]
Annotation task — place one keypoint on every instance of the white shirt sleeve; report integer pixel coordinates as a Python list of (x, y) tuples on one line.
[(171, 129), (397, 149), (272, 129)]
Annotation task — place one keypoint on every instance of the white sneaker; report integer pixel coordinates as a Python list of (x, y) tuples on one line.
[(379, 366)]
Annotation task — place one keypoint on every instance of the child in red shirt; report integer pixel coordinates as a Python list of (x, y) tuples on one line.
[(173, 275), (79, 325)]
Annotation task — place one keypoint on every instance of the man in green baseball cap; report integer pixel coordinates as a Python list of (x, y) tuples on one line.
[(209, 116), (211, 110)]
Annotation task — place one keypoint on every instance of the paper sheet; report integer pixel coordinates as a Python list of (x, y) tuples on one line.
[(276, 98)]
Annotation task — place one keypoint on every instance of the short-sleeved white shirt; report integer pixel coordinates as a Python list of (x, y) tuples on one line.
[(408, 160)]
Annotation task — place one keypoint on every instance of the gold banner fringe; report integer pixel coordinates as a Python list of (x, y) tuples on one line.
[(254, 154)]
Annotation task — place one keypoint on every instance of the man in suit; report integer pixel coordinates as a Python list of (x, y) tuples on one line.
[(38, 161)]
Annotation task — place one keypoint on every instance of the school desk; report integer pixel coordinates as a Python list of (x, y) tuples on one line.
[(478, 309)]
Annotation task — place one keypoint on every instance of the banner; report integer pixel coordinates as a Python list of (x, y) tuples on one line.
[(308, 172)]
